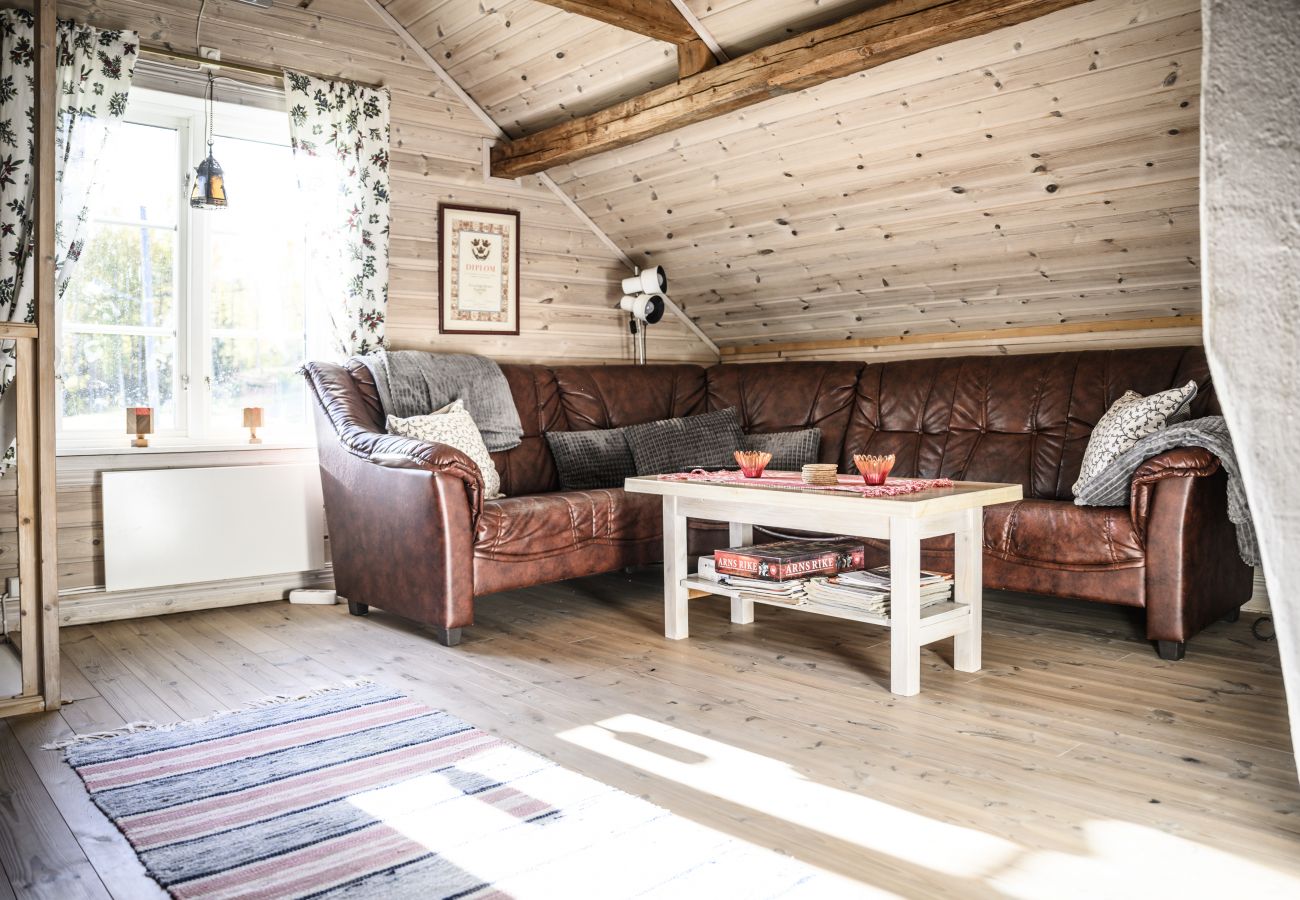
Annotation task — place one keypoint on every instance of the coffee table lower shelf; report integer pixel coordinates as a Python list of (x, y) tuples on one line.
[(938, 621)]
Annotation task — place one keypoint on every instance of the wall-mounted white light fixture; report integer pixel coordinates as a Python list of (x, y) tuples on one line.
[(647, 281), (645, 302), (647, 308)]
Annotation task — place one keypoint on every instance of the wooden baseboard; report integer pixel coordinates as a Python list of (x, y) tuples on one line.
[(81, 607), (1188, 327), (1258, 602)]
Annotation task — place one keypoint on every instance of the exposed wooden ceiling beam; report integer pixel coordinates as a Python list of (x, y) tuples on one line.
[(658, 19), (895, 30)]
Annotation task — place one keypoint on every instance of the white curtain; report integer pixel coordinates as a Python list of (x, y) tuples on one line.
[(1250, 188), (339, 133), (93, 71)]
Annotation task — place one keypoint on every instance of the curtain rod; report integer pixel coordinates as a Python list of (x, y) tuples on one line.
[(179, 56)]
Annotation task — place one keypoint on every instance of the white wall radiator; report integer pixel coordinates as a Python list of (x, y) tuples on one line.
[(182, 526)]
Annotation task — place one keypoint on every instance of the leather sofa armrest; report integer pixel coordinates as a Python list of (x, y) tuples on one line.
[(396, 452), (355, 427), (1182, 462), (1194, 574)]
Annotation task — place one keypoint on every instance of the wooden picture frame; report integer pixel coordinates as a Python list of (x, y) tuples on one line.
[(478, 270)]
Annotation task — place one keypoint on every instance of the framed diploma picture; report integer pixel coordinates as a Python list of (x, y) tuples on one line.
[(479, 290)]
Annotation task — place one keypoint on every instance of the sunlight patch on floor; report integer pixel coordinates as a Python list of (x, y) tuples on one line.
[(535, 830), (1129, 860), (775, 789), (1122, 859)]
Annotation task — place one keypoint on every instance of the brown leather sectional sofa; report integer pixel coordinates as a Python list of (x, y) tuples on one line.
[(411, 533)]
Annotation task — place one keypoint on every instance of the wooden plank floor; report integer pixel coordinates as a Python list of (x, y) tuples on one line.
[(1076, 764)]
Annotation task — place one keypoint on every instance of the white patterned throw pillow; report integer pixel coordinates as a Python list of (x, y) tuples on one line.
[(455, 427), (1129, 419)]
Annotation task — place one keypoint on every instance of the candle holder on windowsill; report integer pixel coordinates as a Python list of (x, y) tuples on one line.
[(253, 421), (139, 422)]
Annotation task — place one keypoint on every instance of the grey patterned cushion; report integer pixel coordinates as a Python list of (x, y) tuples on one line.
[(791, 450), (1129, 419), (452, 425), (591, 459), (679, 445)]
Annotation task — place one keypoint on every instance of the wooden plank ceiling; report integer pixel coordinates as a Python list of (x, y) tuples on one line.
[(1040, 175)]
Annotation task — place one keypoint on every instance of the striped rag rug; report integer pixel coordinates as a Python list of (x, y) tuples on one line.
[(361, 792)]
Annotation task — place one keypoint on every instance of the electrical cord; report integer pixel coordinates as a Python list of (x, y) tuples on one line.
[(198, 28)]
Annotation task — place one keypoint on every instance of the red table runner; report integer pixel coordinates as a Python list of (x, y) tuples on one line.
[(793, 481)]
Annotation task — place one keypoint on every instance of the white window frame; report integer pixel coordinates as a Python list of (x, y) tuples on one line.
[(194, 333)]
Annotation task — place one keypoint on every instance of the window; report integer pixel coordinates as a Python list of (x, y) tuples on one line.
[(196, 313)]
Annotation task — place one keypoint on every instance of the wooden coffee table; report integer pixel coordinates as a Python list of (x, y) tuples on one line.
[(904, 521)]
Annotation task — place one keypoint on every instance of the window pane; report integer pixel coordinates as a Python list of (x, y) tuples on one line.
[(105, 373), (256, 275), (257, 371), (141, 176), (126, 276)]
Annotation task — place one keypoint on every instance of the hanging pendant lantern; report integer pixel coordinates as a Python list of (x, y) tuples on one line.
[(209, 190)]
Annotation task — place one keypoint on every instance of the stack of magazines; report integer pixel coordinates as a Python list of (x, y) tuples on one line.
[(868, 591), (784, 593)]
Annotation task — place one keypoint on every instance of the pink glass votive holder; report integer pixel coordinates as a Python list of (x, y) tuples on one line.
[(874, 469), (752, 462)]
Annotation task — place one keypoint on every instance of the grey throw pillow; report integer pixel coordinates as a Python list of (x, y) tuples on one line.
[(708, 441), (587, 460), (791, 450), (1129, 419)]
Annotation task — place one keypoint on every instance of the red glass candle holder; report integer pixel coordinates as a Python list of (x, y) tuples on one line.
[(752, 462), (874, 469)]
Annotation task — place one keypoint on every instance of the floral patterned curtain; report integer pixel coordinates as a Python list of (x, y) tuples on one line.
[(94, 70), (339, 132)]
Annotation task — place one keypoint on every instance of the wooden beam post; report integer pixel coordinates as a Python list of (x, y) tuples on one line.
[(694, 57), (47, 582), (895, 30)]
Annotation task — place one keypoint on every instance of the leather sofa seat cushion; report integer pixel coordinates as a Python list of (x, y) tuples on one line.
[(1054, 534), (1050, 534), (1057, 534), (523, 541), (541, 526)]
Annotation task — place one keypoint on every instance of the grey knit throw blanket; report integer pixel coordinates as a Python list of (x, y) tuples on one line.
[(415, 383), (1112, 486)]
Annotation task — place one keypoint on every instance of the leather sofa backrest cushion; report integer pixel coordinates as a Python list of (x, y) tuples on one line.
[(1021, 418), (530, 468), (903, 408), (615, 396), (368, 393), (789, 396), (1103, 377)]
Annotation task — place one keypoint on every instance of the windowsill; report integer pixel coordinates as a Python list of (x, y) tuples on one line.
[(163, 447)]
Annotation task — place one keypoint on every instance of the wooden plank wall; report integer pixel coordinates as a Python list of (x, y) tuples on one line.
[(569, 278), (1040, 175)]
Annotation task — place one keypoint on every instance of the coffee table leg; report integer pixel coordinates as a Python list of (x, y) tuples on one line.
[(675, 564), (905, 606), (742, 611), (968, 588)]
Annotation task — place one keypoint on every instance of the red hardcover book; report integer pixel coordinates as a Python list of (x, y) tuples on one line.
[(787, 560)]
